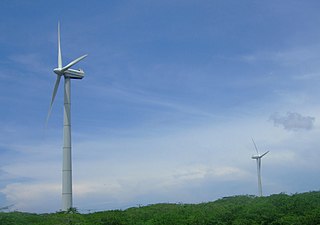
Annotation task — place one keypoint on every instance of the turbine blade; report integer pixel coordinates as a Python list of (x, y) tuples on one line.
[(59, 48), (264, 154), (255, 146), (73, 62), (53, 96)]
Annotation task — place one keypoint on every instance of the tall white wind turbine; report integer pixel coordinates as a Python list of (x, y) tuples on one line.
[(68, 74), (258, 159)]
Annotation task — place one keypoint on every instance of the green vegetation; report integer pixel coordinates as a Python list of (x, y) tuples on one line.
[(275, 209)]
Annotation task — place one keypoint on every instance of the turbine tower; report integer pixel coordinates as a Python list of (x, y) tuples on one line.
[(258, 159), (68, 74)]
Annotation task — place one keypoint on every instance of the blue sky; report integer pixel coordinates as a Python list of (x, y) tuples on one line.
[(173, 93)]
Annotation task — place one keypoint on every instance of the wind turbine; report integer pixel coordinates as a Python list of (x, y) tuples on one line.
[(68, 74), (258, 159)]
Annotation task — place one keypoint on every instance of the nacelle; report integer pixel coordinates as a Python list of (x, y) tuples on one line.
[(74, 74), (255, 157)]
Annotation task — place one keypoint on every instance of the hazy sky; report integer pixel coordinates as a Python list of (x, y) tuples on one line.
[(173, 93)]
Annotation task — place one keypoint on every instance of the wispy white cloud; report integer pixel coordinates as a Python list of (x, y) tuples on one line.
[(315, 76), (289, 56), (31, 61)]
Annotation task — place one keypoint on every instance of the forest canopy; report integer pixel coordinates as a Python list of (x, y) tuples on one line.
[(303, 208)]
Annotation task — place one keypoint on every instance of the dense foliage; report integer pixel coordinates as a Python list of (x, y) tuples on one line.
[(276, 209)]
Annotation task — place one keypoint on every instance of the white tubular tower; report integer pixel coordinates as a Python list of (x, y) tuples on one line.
[(67, 164)]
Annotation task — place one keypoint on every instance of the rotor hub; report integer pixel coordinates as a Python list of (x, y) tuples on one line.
[(57, 71)]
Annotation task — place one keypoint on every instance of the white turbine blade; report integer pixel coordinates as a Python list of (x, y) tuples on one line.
[(73, 62), (59, 48), (53, 95), (264, 154), (255, 146)]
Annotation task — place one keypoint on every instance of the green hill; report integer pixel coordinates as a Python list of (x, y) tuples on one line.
[(277, 209)]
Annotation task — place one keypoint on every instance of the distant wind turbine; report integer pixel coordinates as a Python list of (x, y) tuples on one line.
[(258, 159), (68, 74), (6, 207)]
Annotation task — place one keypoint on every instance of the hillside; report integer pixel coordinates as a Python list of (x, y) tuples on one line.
[(277, 209)]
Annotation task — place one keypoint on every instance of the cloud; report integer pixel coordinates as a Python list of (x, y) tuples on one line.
[(195, 164), (30, 61), (293, 121), (32, 196), (289, 56)]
